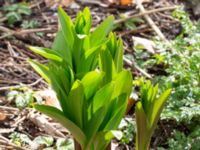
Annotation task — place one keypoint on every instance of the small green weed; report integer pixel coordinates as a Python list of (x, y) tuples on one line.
[(129, 129), (179, 62), (15, 12), (23, 97), (41, 142), (29, 24), (181, 58), (180, 141)]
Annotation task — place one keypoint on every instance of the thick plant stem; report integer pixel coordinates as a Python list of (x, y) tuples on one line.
[(78, 147), (142, 147), (143, 144)]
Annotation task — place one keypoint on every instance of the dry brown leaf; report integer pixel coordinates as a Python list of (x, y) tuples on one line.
[(147, 44), (2, 116), (49, 97), (56, 3)]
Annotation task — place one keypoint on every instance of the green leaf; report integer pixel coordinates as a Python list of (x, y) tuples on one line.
[(112, 44), (20, 139), (106, 65), (103, 96), (86, 43), (79, 24), (61, 75), (88, 61), (118, 59), (130, 25), (13, 17), (65, 144), (21, 101), (151, 98), (123, 83), (116, 50), (10, 8), (95, 123), (113, 133), (44, 140), (61, 47), (91, 79), (154, 93), (116, 110), (146, 91), (83, 22), (41, 69), (158, 107), (142, 135), (58, 115), (61, 81), (77, 52), (101, 31), (24, 9), (66, 27), (88, 20), (47, 53), (75, 103)]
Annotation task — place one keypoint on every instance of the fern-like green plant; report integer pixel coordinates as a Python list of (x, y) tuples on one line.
[(85, 70)]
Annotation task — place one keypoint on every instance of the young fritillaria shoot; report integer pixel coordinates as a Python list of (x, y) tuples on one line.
[(85, 69), (148, 111)]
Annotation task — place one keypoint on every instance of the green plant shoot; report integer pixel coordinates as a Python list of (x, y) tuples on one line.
[(148, 111), (85, 70)]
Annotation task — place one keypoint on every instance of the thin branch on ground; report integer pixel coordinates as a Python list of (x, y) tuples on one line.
[(20, 86), (145, 13), (150, 21), (134, 66), (42, 123), (25, 31)]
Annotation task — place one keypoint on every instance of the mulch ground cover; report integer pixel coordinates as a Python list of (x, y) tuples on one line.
[(16, 73)]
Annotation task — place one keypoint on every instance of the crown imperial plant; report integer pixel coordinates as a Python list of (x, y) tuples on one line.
[(85, 69)]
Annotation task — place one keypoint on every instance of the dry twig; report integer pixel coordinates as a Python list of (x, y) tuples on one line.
[(145, 13), (42, 122), (19, 86), (25, 31), (95, 2), (134, 66), (150, 21)]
